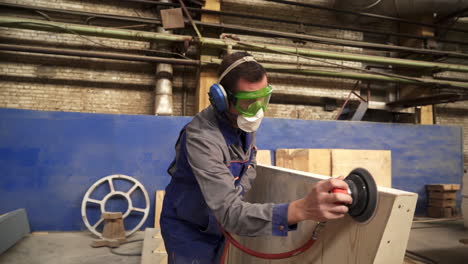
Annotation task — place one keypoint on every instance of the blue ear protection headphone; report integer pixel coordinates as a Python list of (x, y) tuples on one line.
[(217, 94)]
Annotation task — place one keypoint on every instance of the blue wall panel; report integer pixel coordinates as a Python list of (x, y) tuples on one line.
[(49, 159)]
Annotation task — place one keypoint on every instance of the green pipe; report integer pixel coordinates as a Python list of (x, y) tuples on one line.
[(218, 43), (42, 25), (347, 75)]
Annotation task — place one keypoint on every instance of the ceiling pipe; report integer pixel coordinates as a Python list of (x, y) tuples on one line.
[(348, 75), (269, 66), (220, 43), (403, 8), (273, 33), (368, 15), (97, 54), (226, 13)]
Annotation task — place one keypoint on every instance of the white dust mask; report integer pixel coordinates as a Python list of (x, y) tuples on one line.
[(250, 124)]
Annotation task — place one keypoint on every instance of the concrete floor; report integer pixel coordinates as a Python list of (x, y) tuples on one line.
[(68, 248), (438, 241)]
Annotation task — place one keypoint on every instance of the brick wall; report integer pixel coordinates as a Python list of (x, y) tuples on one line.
[(455, 114), (61, 83)]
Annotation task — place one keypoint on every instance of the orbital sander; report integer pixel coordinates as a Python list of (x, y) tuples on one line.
[(363, 190)]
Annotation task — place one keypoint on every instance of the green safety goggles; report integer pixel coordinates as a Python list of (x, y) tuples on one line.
[(249, 103)]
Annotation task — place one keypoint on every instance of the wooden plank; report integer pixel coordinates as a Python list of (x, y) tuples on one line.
[(440, 212), (377, 162), (426, 115), (211, 5), (382, 240), (264, 157), (308, 160), (153, 251), (158, 202), (441, 203), (442, 195), (208, 76), (443, 187)]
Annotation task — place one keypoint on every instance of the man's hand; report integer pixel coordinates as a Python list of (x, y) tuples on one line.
[(320, 204)]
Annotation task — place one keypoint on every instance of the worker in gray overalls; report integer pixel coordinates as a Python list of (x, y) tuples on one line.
[(215, 165)]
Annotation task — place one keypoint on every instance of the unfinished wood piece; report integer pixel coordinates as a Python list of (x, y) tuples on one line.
[(441, 203), (441, 212), (443, 187), (442, 195), (113, 233), (264, 157), (158, 203), (308, 160), (211, 5), (208, 76), (382, 240), (153, 251), (377, 162)]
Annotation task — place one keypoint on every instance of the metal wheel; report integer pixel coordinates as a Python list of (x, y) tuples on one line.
[(109, 180)]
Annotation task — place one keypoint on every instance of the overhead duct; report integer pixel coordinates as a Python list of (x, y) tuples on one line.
[(403, 8), (163, 91)]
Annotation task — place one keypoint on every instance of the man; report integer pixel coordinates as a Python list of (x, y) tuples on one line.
[(215, 165)]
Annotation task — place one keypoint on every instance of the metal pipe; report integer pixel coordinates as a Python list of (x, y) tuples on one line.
[(97, 54), (273, 33), (342, 11), (227, 13), (220, 43), (348, 75), (163, 90), (278, 20), (405, 8), (332, 41)]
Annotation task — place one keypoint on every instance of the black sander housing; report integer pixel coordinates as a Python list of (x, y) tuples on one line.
[(363, 190)]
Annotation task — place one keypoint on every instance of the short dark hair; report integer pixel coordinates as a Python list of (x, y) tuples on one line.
[(250, 71)]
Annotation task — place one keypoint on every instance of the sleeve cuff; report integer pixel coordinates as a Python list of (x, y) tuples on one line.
[(280, 220)]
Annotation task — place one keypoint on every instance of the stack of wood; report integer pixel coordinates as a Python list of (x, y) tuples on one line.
[(442, 200)]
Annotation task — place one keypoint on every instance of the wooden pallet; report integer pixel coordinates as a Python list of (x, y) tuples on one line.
[(441, 200)]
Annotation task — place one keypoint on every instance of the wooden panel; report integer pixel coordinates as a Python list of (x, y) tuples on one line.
[(382, 240), (377, 162), (309, 160), (264, 157), (158, 202)]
